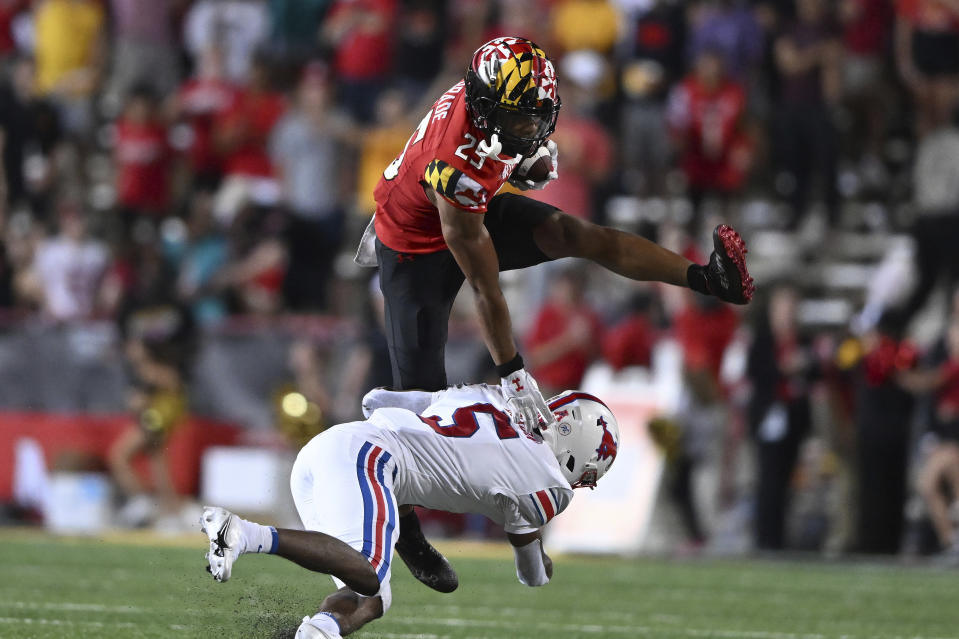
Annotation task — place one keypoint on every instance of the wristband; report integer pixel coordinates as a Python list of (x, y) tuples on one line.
[(696, 278), (505, 370)]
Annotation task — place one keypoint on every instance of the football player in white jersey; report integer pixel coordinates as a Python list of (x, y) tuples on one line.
[(458, 450)]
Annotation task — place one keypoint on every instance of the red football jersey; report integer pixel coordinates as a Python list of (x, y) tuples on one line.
[(142, 164), (440, 154)]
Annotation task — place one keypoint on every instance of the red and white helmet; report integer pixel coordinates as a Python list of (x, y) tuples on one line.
[(584, 438), (511, 93)]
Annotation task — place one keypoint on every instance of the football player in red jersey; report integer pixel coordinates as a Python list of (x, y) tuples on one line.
[(439, 222)]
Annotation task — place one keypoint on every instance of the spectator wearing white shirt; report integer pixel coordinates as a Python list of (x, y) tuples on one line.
[(237, 27), (68, 269)]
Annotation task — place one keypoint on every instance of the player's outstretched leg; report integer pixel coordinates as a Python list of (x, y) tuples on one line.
[(724, 276), (425, 562), (231, 536)]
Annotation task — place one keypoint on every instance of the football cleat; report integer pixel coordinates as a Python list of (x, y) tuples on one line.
[(726, 274), (222, 529), (309, 631), (424, 561)]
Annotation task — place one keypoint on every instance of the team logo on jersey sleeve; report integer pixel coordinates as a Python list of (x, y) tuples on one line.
[(454, 185)]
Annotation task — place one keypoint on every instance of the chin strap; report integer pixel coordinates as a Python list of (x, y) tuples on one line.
[(492, 149)]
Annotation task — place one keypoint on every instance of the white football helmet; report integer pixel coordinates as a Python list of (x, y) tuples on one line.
[(584, 438)]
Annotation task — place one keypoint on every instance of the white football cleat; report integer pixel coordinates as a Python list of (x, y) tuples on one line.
[(221, 527), (309, 631)]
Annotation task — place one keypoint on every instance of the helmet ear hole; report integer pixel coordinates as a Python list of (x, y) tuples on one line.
[(571, 463)]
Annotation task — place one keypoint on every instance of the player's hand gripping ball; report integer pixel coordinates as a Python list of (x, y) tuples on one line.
[(539, 169)]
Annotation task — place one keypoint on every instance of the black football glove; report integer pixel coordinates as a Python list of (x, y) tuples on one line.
[(725, 276)]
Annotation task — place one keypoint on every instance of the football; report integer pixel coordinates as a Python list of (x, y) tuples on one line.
[(537, 167)]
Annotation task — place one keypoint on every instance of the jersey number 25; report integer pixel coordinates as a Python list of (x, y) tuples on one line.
[(394, 168)]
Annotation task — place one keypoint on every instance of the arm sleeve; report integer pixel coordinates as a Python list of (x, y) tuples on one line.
[(456, 187), (530, 569), (514, 521), (415, 401), (528, 513)]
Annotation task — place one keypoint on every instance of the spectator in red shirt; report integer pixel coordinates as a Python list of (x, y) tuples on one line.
[(705, 114), (630, 342), (704, 330), (927, 56), (142, 158), (564, 336), (241, 135), (361, 35), (199, 101)]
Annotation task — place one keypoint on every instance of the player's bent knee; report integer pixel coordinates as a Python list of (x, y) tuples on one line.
[(366, 583), (555, 235), (562, 235)]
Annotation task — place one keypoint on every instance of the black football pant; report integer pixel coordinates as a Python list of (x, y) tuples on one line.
[(419, 289)]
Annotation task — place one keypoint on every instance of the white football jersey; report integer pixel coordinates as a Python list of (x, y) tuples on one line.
[(463, 454)]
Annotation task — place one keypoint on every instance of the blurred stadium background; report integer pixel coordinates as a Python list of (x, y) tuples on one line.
[(185, 182)]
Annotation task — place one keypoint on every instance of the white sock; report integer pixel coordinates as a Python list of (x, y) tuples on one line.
[(325, 622), (258, 538)]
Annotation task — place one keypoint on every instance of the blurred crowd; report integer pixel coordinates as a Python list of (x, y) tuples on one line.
[(173, 167)]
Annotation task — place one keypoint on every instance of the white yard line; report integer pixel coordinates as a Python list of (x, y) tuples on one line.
[(29, 621), (520, 612), (50, 605)]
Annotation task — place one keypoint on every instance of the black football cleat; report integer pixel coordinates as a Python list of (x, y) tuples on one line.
[(425, 562), (726, 274)]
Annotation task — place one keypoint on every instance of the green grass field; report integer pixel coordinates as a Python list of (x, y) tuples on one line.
[(91, 589)]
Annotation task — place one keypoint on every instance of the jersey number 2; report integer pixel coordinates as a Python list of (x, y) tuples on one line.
[(465, 423)]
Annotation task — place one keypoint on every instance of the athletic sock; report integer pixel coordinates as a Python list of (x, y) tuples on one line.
[(325, 622), (258, 538)]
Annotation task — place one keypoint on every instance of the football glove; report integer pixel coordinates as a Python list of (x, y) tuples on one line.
[(525, 184), (524, 401), (725, 275)]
